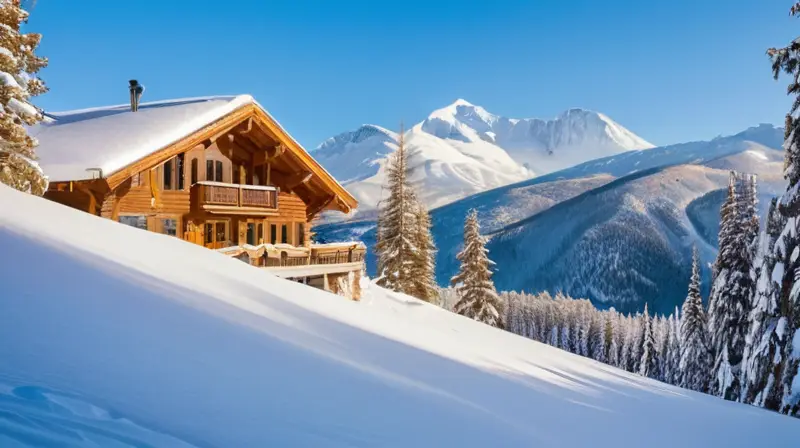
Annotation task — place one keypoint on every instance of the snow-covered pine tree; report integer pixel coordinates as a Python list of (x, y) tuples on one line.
[(732, 289), (638, 343), (479, 299), (627, 343), (565, 339), (662, 342), (785, 396), (674, 369), (423, 271), (584, 330), (18, 82), (648, 365), (597, 345), (396, 230), (694, 362), (763, 339), (615, 346)]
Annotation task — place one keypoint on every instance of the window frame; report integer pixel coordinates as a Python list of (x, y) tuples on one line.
[(134, 215), (194, 171)]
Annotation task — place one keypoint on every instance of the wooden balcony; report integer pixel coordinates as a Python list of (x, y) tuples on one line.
[(234, 198), (333, 267), (336, 257)]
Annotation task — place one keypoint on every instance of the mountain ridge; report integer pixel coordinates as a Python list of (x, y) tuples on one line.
[(462, 149)]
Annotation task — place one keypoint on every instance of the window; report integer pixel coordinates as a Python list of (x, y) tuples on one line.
[(260, 233), (301, 234), (214, 170), (169, 226), (209, 233), (218, 172), (221, 233), (169, 165), (251, 234), (284, 234), (179, 169), (273, 233), (194, 171), (138, 221)]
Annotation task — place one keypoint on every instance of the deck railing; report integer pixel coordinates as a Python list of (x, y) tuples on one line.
[(275, 258), (234, 195)]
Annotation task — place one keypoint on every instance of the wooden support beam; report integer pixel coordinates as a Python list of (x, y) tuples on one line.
[(155, 191), (246, 127), (318, 206), (275, 152), (225, 144), (347, 208), (296, 180)]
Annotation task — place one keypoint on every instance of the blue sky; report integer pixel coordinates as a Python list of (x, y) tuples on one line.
[(669, 71)]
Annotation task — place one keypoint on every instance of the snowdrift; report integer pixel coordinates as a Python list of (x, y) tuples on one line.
[(112, 336)]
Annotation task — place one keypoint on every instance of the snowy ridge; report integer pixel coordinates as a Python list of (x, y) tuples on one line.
[(192, 347), (462, 149)]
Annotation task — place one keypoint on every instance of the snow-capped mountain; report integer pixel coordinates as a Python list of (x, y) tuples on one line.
[(544, 146), (647, 207), (462, 149)]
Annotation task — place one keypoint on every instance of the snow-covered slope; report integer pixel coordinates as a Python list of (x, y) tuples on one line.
[(462, 149), (754, 150), (113, 336)]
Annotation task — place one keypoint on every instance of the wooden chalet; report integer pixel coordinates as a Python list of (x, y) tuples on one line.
[(217, 171)]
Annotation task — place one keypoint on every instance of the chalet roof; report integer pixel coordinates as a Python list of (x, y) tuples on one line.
[(110, 138), (74, 144)]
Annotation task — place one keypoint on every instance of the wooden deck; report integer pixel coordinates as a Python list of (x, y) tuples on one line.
[(333, 267)]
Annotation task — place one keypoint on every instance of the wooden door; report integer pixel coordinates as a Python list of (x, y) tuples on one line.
[(215, 234)]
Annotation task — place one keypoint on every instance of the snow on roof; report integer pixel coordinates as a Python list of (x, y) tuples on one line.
[(175, 344), (110, 138)]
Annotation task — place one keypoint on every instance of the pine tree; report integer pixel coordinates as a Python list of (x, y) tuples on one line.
[(662, 342), (627, 343), (785, 395), (396, 229), (638, 343), (615, 346), (674, 374), (694, 361), (479, 298), (732, 289), (18, 67), (764, 338), (648, 366), (423, 272)]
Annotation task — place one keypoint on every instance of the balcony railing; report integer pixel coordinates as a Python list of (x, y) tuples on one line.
[(220, 194), (270, 256)]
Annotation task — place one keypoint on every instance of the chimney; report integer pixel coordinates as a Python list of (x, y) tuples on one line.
[(136, 90)]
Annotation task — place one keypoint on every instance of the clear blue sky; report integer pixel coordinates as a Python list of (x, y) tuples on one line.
[(670, 71)]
